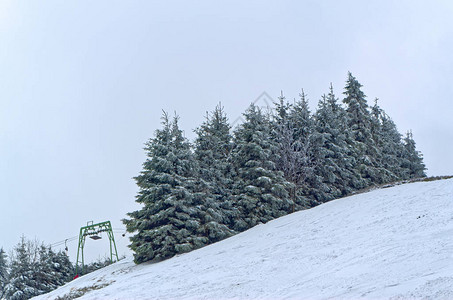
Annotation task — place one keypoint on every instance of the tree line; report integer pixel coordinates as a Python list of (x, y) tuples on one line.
[(32, 269), (276, 162)]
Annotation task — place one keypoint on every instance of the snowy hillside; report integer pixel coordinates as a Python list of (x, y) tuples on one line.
[(393, 243)]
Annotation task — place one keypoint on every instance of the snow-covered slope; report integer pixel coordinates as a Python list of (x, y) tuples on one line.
[(393, 243)]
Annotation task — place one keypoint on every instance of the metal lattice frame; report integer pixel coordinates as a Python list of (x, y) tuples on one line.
[(93, 230)]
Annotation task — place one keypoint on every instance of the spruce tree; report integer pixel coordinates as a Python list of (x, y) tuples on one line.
[(22, 283), (357, 108), (213, 146), (337, 162), (359, 121), (53, 269), (309, 184), (44, 274), (62, 267), (289, 153), (170, 218), (386, 140), (261, 190), (392, 149), (412, 160), (270, 167), (3, 272)]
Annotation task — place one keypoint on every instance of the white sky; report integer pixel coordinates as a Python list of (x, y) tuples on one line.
[(83, 85)]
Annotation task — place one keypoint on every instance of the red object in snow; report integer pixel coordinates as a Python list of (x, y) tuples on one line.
[(77, 276)]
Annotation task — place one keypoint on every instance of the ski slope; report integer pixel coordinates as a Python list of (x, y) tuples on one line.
[(392, 243)]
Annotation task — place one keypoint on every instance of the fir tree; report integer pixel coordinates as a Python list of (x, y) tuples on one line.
[(384, 146), (301, 120), (357, 108), (337, 162), (307, 141), (359, 122), (392, 149), (45, 277), (272, 166), (261, 191), (53, 269), (289, 153), (62, 267), (412, 160), (3, 272), (22, 283), (213, 146), (169, 221)]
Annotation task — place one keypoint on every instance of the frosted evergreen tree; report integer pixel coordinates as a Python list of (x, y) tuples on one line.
[(44, 274), (301, 120), (261, 190), (383, 148), (376, 132), (412, 160), (22, 283), (359, 121), (307, 142), (323, 119), (3, 272), (289, 153), (52, 270), (357, 108), (393, 148), (61, 266), (171, 216), (337, 162), (213, 146)]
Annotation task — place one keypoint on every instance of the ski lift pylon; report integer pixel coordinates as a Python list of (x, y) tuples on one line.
[(93, 231)]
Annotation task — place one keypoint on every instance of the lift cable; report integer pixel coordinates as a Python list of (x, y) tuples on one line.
[(56, 244), (67, 240)]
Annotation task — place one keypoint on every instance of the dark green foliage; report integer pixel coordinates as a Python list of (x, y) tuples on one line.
[(171, 216), (309, 184), (389, 146), (35, 270), (261, 191), (274, 165), (53, 270), (3, 272), (45, 277), (392, 147), (58, 267), (336, 167), (22, 283), (357, 109), (412, 160), (213, 146), (290, 156), (359, 120), (297, 153)]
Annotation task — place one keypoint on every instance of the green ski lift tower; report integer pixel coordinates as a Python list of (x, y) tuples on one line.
[(92, 231)]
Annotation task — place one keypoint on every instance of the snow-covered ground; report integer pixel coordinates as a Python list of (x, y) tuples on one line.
[(393, 243)]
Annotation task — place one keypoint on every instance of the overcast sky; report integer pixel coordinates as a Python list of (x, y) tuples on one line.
[(83, 85)]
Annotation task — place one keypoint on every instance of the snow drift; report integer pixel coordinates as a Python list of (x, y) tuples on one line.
[(393, 243)]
